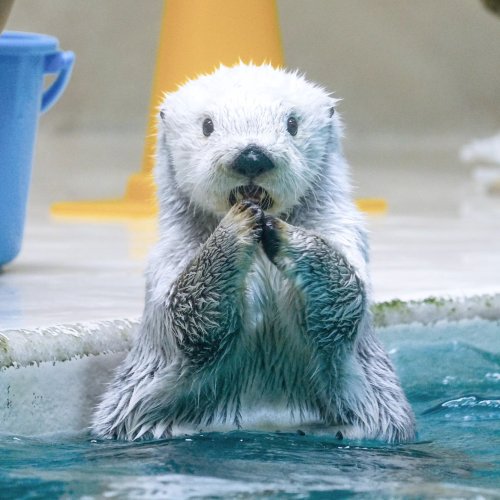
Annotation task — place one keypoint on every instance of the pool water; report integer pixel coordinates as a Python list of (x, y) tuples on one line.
[(450, 371)]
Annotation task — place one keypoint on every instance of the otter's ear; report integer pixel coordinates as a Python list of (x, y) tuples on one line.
[(332, 108), (162, 115)]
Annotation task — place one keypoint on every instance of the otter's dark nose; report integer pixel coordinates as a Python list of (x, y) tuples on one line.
[(252, 161)]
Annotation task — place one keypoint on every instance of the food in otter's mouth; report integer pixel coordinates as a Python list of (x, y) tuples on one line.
[(253, 193)]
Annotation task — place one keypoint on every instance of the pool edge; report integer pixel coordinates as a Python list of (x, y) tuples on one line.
[(58, 343)]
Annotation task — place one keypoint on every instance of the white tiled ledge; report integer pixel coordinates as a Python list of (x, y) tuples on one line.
[(437, 308), (26, 347)]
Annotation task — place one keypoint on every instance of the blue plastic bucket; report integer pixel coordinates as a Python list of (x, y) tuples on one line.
[(24, 60)]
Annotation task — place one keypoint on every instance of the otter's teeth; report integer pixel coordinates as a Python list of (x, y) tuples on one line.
[(235, 197), (254, 194)]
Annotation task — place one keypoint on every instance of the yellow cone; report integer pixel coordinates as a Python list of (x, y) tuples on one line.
[(196, 37)]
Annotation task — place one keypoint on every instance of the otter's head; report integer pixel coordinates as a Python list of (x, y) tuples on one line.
[(246, 132)]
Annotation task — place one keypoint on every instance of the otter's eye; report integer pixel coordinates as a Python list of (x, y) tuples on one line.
[(292, 126), (208, 127)]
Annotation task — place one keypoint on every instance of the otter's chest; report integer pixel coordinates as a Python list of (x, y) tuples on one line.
[(270, 301), (274, 358), (272, 320)]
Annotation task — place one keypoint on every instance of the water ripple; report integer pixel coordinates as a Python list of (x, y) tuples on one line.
[(478, 405)]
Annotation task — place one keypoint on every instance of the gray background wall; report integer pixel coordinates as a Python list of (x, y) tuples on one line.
[(402, 67)]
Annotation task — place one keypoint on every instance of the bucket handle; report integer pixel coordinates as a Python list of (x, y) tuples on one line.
[(62, 63)]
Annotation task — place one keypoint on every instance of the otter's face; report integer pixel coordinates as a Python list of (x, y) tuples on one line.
[(249, 132)]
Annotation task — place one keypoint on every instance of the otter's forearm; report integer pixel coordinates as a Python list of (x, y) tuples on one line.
[(334, 296), (204, 305)]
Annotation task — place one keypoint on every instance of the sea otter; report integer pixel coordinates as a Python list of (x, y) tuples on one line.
[(257, 312)]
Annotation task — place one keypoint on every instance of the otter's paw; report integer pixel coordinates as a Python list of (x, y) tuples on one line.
[(288, 247), (271, 237), (246, 219), (276, 241)]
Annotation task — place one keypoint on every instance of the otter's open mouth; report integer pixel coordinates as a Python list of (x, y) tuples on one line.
[(253, 193)]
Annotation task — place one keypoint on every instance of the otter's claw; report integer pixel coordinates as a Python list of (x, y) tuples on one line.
[(249, 215), (252, 208)]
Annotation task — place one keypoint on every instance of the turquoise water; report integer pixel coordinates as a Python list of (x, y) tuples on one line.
[(451, 373)]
